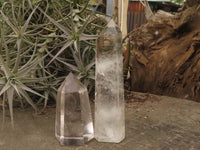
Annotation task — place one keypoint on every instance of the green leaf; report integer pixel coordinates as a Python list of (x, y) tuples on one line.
[(91, 77), (5, 88), (18, 59), (13, 14), (88, 19), (78, 61), (30, 60), (28, 99), (9, 23), (30, 4), (26, 88), (34, 80), (70, 66), (5, 67), (30, 67), (6, 47), (16, 89), (46, 99), (61, 50), (25, 26), (2, 81), (61, 27), (85, 37), (10, 94), (87, 48), (90, 65)]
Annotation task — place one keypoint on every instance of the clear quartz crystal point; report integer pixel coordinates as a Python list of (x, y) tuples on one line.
[(73, 114), (109, 86)]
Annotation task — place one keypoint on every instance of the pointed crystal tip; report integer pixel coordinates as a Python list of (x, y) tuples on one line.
[(111, 23), (72, 84)]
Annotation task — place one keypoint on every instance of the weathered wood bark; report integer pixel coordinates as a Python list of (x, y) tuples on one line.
[(165, 58), (148, 12)]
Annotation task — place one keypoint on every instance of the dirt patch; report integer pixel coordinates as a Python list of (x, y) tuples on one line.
[(157, 123)]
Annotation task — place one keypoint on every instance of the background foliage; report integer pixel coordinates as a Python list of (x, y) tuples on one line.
[(41, 42), (178, 1)]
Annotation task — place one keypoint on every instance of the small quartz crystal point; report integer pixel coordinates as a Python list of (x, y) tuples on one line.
[(73, 114), (109, 86)]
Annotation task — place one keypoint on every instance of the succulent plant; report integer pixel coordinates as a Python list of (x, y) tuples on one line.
[(41, 42)]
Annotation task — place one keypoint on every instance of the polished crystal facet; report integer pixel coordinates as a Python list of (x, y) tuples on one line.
[(73, 114), (109, 87)]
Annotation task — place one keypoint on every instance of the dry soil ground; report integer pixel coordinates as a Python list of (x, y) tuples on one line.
[(154, 123)]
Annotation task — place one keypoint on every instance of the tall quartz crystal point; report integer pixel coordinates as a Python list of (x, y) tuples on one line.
[(73, 114), (109, 87)]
